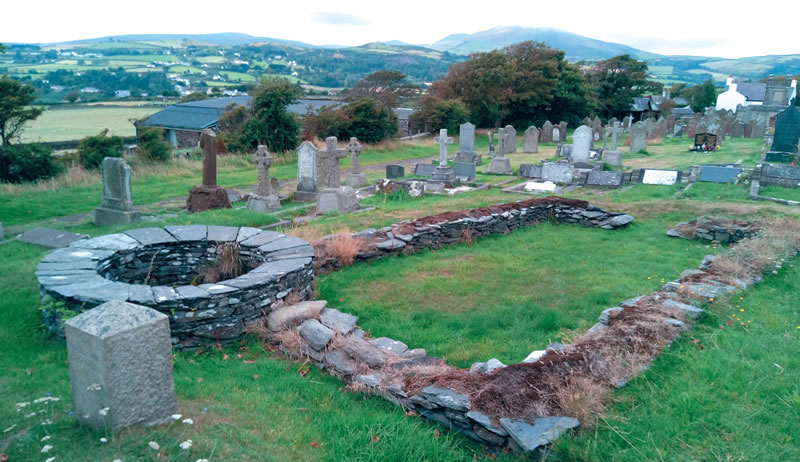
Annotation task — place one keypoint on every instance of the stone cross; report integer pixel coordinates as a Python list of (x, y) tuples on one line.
[(491, 144), (615, 132), (354, 148), (502, 140), (208, 141), (328, 172), (443, 140), (263, 160)]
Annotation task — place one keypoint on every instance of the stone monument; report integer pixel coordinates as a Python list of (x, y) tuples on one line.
[(638, 137), (547, 133), (306, 173), (116, 205), (208, 195), (264, 199), (120, 366), (511, 139), (581, 144), (354, 178), (443, 172), (466, 145), (613, 156), (787, 131), (500, 164), (328, 173), (531, 143)]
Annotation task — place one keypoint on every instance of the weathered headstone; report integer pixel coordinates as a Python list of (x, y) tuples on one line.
[(120, 365), (464, 170), (713, 174), (613, 158), (424, 170), (615, 131), (342, 199), (638, 137), (395, 171), (208, 195), (787, 130), (556, 136), (737, 131), (597, 125), (511, 139), (564, 150), (626, 122), (530, 171), (691, 128), (582, 143), (660, 177), (547, 132), (328, 173), (466, 144), (443, 172), (355, 179), (500, 164), (531, 143), (748, 129), (604, 179), (116, 205), (264, 199), (557, 172), (306, 173)]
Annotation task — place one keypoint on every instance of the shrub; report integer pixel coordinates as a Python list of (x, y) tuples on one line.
[(152, 144), (94, 149), (271, 123), (27, 162), (364, 119), (435, 113)]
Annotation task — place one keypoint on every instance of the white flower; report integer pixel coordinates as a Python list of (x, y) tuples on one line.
[(94, 387), (32, 414), (154, 445), (186, 444), (50, 459), (103, 411), (21, 405), (188, 421), (10, 428), (47, 448), (104, 440), (176, 416), (47, 422), (46, 399), (45, 438)]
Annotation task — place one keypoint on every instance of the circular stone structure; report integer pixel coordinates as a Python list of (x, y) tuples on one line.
[(156, 267)]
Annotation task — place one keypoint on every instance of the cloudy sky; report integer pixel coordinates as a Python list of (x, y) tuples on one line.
[(694, 27)]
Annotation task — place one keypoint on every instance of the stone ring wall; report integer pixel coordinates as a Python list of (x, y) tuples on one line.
[(91, 272)]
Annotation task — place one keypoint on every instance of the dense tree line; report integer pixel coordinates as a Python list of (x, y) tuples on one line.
[(108, 81)]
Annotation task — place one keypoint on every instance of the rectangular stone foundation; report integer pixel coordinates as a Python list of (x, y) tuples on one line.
[(109, 217), (305, 196)]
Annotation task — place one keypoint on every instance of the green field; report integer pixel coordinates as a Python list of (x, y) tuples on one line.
[(75, 123)]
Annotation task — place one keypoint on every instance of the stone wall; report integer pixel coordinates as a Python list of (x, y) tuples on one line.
[(157, 267), (187, 138)]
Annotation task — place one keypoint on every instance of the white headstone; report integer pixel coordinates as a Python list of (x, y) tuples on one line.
[(581, 144), (660, 177)]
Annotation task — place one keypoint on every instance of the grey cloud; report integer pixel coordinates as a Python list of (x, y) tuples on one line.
[(338, 19)]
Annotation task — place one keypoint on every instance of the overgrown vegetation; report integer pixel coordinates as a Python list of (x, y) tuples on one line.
[(94, 149), (21, 163)]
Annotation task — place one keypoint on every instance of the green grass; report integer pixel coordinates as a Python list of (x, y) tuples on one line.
[(79, 122), (238, 76), (184, 69), (792, 194)]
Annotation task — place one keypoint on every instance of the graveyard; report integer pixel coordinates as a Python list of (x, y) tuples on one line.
[(599, 292)]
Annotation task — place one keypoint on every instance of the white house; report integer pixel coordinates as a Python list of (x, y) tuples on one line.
[(755, 94)]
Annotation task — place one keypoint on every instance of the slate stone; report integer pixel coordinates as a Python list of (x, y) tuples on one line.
[(282, 243), (390, 345), (530, 171), (164, 294), (51, 238), (544, 430), (713, 174), (620, 220), (120, 358), (151, 236), (305, 251), (608, 313), (464, 170), (315, 334), (73, 255), (371, 380), (363, 351), (188, 232), (289, 316), (395, 171), (784, 157), (557, 173), (601, 178), (390, 244), (245, 232), (273, 269), (486, 422), (190, 292), (338, 321), (141, 294), (260, 239), (114, 242), (222, 233), (787, 130), (340, 363), (424, 170), (62, 279), (780, 171), (215, 289), (445, 397)]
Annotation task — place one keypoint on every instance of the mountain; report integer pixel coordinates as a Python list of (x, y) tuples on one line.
[(222, 39), (576, 47)]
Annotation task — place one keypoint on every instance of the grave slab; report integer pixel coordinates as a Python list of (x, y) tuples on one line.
[(557, 173), (424, 170), (50, 238), (711, 174), (660, 177), (604, 179)]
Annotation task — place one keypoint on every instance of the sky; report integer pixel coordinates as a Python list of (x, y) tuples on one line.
[(692, 27)]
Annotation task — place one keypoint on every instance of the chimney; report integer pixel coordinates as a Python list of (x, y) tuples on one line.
[(729, 82)]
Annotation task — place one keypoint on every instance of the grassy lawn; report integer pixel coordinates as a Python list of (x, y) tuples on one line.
[(780, 192), (76, 123)]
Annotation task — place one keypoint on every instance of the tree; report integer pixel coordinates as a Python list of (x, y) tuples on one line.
[(15, 110), (2, 48), (368, 121), (389, 88), (435, 113), (701, 96), (72, 97), (196, 96), (271, 123), (618, 80), (152, 145), (93, 149)]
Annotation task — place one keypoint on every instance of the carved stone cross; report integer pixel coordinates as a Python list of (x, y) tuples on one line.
[(329, 175), (443, 140), (616, 131), (354, 148), (263, 160)]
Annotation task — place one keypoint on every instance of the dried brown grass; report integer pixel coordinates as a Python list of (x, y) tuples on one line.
[(778, 238), (228, 264), (342, 247), (75, 175), (582, 398)]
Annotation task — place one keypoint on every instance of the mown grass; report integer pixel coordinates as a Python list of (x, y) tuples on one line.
[(780, 192), (80, 122)]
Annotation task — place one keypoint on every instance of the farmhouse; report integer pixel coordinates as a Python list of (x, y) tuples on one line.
[(748, 94)]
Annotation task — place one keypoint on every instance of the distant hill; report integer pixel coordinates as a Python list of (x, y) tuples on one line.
[(222, 39), (576, 47)]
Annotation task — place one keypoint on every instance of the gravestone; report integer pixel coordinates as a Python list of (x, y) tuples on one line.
[(737, 131), (120, 366), (264, 200), (759, 128), (713, 174), (787, 130), (556, 137), (597, 125), (613, 158), (547, 132), (500, 164), (638, 137), (660, 177), (670, 123), (537, 186), (491, 145), (691, 128), (424, 170), (530, 171), (275, 184), (564, 150), (464, 171), (784, 157), (557, 172), (531, 143), (306, 173), (604, 179), (562, 128), (395, 171), (116, 204), (748, 129), (582, 144), (511, 139), (466, 144), (626, 122), (355, 179), (443, 172), (328, 173), (208, 196), (341, 200)]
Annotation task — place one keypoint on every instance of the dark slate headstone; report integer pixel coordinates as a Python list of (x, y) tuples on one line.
[(792, 173), (607, 179), (464, 170), (787, 130), (785, 157), (530, 171), (719, 174), (424, 170), (395, 171)]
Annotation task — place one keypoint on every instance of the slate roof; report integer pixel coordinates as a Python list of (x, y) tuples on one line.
[(753, 91), (682, 111), (640, 104)]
